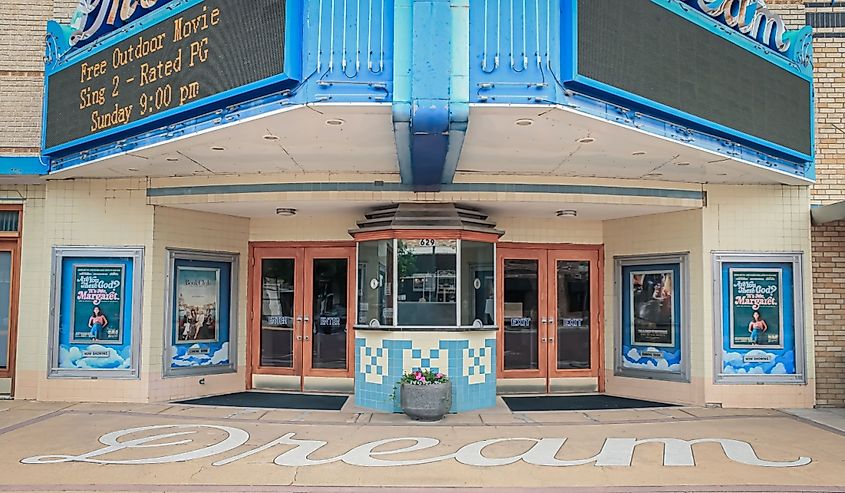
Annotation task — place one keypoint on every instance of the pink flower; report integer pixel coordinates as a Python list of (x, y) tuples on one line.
[(439, 375)]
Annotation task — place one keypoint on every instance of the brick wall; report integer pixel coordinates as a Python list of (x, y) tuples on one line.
[(828, 241), (829, 312), (22, 29)]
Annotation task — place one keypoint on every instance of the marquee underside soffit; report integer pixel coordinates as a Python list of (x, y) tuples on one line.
[(325, 138), (554, 141)]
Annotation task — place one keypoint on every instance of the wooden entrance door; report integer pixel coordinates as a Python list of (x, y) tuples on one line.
[(550, 317), (301, 310)]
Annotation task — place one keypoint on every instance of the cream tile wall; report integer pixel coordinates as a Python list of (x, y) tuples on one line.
[(737, 218), (768, 219), (114, 213), (674, 232), (84, 212), (325, 227), (555, 230)]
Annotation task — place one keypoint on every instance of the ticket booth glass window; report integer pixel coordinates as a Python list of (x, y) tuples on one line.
[(427, 282), (478, 285), (375, 283), (439, 283)]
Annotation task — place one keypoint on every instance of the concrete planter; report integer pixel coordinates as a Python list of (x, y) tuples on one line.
[(426, 402)]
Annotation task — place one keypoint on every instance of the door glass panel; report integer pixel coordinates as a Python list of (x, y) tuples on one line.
[(277, 298), (573, 315), (328, 345), (5, 300), (521, 313)]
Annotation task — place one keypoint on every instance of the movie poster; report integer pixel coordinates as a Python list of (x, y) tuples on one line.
[(652, 307), (96, 312), (200, 289), (756, 308), (761, 318), (197, 303), (97, 306), (651, 304)]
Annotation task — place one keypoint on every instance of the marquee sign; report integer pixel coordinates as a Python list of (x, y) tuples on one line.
[(188, 59), (667, 58)]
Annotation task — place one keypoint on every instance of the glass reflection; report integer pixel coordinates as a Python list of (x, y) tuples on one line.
[(573, 315), (478, 285), (375, 283), (328, 346), (277, 299), (521, 313), (5, 305), (427, 293)]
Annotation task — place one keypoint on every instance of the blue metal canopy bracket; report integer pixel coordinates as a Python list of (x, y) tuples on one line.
[(428, 123), (22, 166)]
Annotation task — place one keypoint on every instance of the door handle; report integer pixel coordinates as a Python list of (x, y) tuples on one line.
[(544, 321), (298, 338), (551, 340), (543, 339), (306, 338)]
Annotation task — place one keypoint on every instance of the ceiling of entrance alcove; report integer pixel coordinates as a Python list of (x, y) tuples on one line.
[(544, 140), (325, 138)]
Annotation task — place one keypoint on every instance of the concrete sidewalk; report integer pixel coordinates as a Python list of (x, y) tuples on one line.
[(169, 447)]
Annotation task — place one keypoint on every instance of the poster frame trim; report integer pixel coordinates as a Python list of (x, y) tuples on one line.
[(59, 253), (795, 258), (682, 259), (174, 254)]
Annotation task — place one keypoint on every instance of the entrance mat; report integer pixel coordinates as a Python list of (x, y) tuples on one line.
[(273, 400), (576, 403)]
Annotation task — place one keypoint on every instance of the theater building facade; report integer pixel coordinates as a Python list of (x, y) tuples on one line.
[(548, 196)]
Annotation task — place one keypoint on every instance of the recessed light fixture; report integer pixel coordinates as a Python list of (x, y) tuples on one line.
[(271, 137), (334, 122), (685, 163), (638, 153), (172, 159), (132, 169), (655, 174), (567, 213), (524, 122), (586, 140), (285, 211), (218, 148)]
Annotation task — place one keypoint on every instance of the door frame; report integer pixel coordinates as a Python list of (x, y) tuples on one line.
[(11, 241), (548, 254), (303, 254)]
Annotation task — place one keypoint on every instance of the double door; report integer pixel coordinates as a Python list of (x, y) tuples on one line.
[(549, 317), (301, 310)]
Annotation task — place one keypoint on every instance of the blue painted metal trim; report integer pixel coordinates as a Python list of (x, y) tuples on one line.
[(402, 49), (431, 69), (574, 80), (286, 80), (22, 166), (401, 187)]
